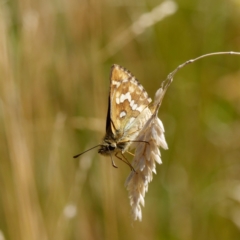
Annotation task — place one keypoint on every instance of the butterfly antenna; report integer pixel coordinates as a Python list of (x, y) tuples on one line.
[(76, 156)]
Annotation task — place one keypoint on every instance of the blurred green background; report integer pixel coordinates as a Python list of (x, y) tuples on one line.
[(55, 59)]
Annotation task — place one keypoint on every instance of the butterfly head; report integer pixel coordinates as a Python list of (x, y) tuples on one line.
[(107, 148)]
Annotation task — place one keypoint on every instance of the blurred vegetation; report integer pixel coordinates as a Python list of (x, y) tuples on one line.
[(55, 58)]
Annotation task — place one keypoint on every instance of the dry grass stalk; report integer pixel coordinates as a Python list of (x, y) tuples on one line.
[(146, 156)]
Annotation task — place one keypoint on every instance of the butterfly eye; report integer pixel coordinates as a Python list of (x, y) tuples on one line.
[(111, 148)]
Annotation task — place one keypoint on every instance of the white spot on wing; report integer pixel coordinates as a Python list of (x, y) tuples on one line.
[(134, 106), (116, 83), (123, 114), (117, 100), (140, 108), (124, 97)]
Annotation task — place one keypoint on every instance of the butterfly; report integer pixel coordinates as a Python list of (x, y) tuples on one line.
[(127, 112)]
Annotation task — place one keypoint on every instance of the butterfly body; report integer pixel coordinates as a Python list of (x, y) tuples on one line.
[(127, 111)]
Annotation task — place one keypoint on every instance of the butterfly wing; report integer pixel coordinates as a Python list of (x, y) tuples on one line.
[(127, 100)]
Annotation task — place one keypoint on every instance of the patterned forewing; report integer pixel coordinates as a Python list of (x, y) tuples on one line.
[(128, 99)]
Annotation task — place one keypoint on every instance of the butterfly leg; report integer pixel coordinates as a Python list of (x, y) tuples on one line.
[(130, 153), (140, 141), (125, 161), (113, 163)]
